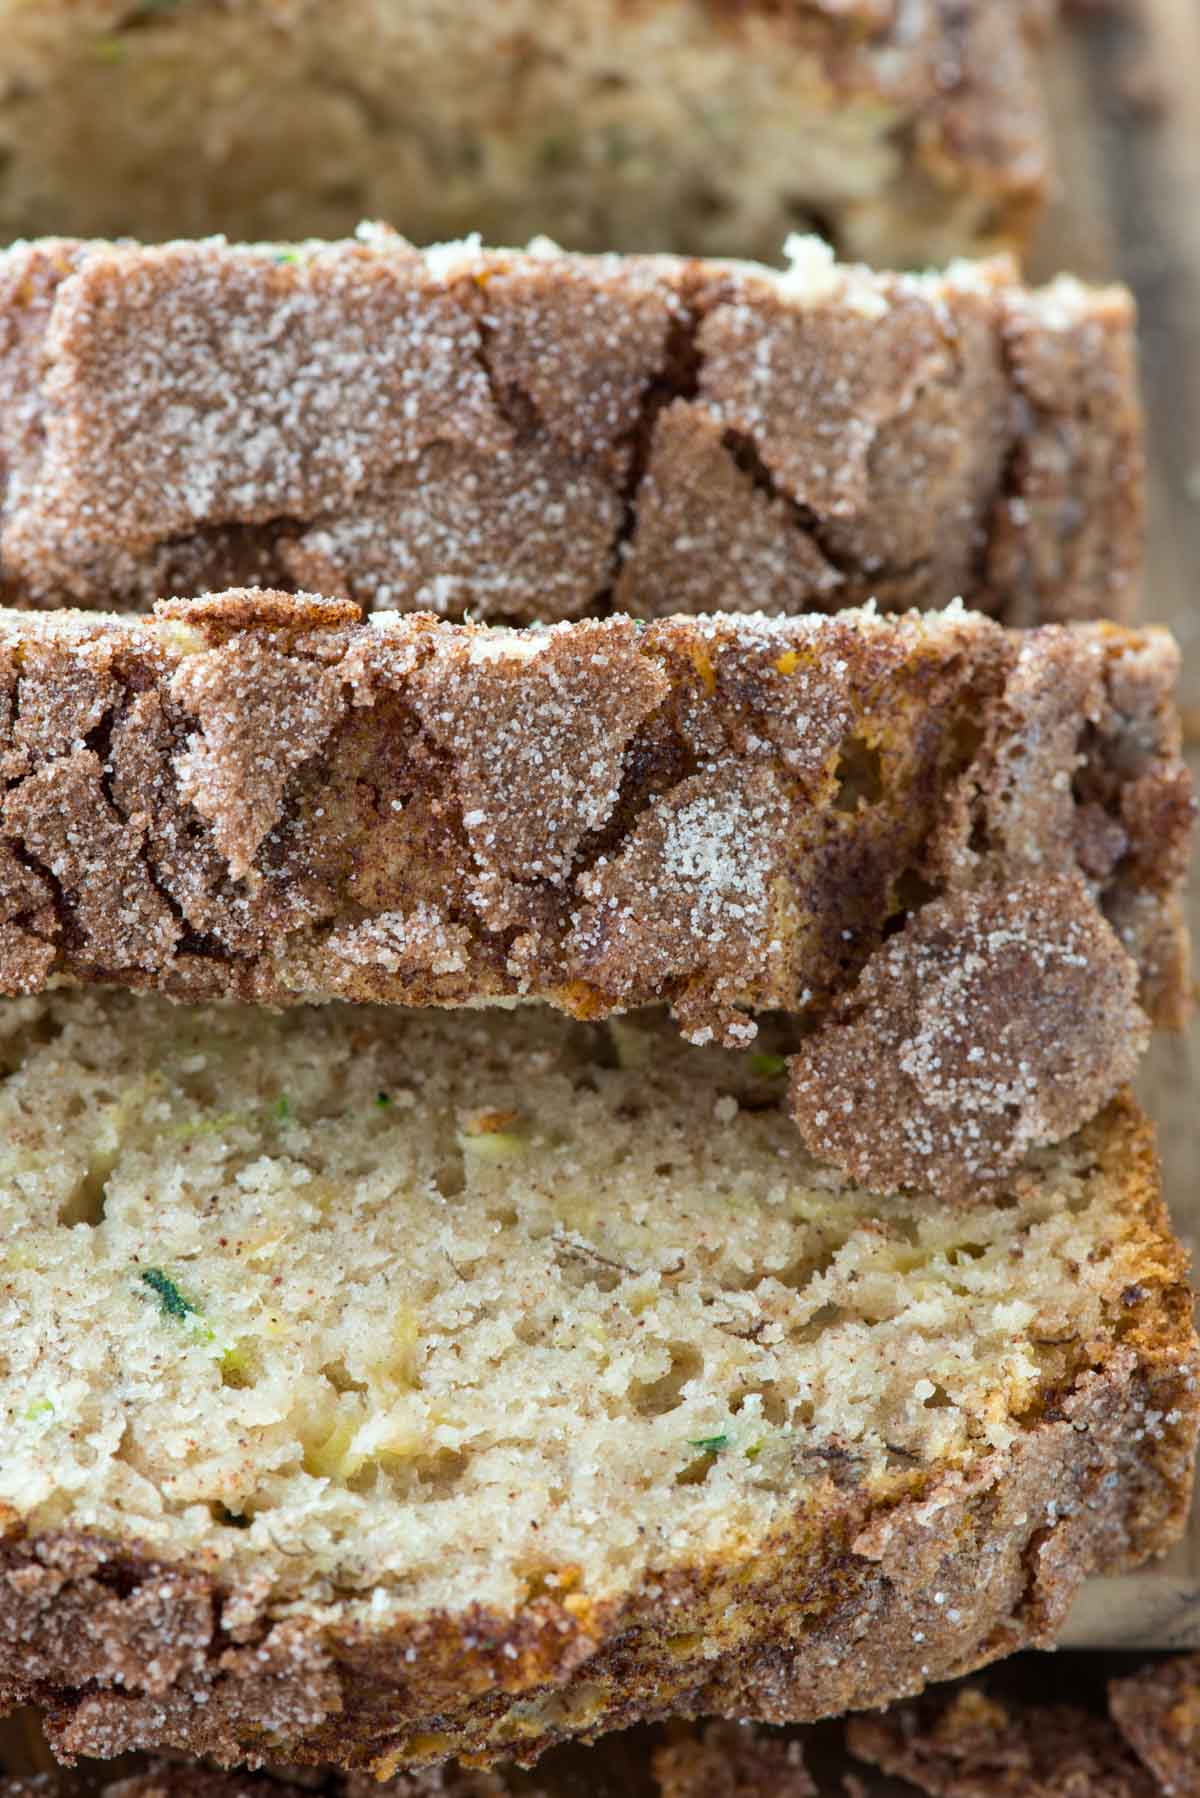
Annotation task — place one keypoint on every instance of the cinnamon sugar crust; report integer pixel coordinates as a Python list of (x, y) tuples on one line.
[(715, 1760), (990, 1023), (179, 1778), (857, 1600), (540, 436), (957, 853)]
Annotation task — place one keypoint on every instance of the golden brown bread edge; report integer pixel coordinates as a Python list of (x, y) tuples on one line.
[(715, 1760), (677, 1760), (911, 134), (974, 1738), (854, 1603), (535, 436), (956, 853)]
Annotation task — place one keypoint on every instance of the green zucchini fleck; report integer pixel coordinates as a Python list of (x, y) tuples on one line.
[(169, 1296)]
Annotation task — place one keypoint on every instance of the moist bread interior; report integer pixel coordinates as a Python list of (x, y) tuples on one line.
[(413, 1310)]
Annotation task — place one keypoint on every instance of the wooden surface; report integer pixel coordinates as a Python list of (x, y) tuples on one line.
[(1125, 98), (1125, 90)]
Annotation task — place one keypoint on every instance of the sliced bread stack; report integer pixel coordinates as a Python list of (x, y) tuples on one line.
[(385, 1380)]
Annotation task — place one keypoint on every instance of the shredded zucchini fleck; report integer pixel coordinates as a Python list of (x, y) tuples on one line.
[(172, 1302), (169, 1296)]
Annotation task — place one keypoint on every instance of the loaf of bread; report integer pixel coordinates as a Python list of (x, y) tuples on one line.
[(536, 436), (911, 132), (955, 852), (381, 1387)]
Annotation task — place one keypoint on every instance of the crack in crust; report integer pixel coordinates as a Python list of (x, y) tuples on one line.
[(955, 851), (859, 1598), (543, 436)]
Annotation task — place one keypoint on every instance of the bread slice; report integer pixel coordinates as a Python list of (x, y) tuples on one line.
[(956, 853), (912, 133), (540, 436), (381, 1387)]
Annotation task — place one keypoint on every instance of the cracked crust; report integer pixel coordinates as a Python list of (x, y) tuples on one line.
[(540, 436), (819, 815), (909, 133), (861, 1597), (1157, 1711), (1060, 996)]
